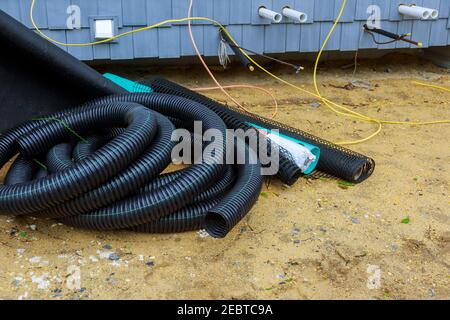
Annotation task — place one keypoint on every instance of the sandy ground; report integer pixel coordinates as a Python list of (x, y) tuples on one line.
[(315, 240)]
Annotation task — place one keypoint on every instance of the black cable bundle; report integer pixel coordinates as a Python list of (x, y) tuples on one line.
[(334, 160), (111, 179)]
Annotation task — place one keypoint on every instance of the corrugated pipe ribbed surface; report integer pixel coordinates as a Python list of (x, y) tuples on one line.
[(98, 166)]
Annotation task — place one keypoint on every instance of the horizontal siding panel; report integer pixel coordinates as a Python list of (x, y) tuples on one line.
[(421, 32), (334, 42), (179, 10), (438, 37), (11, 7), (169, 42), (186, 45), (240, 11), (134, 12), (324, 11), (444, 9), (80, 36), (221, 11), (202, 8), (57, 14), (350, 34), (123, 48), (253, 38), (39, 13), (211, 40), (88, 8), (293, 33), (58, 35), (102, 51), (275, 38), (145, 44), (158, 10), (349, 11), (309, 40), (110, 8)]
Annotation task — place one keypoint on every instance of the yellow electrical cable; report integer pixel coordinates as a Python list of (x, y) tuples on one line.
[(430, 86), (328, 103), (38, 30)]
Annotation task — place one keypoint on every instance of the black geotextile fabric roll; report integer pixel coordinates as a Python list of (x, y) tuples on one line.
[(103, 162), (334, 160), (37, 77)]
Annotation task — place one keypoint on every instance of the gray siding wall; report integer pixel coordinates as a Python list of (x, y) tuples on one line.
[(241, 19)]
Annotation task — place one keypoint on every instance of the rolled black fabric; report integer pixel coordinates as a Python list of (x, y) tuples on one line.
[(335, 160), (103, 162), (39, 78)]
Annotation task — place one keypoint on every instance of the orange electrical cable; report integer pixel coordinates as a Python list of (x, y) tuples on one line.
[(194, 45), (218, 85), (246, 86)]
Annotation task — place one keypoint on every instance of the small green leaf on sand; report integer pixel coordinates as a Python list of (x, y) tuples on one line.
[(345, 184), (23, 234), (264, 195), (405, 220)]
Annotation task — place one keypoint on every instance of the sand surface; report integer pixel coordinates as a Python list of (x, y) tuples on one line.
[(315, 240)]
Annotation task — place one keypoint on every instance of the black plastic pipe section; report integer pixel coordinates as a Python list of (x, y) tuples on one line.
[(334, 160), (98, 166)]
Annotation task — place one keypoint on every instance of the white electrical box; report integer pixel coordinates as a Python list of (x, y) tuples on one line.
[(104, 29)]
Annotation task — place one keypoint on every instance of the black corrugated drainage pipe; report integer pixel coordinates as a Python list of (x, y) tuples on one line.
[(102, 169), (334, 159)]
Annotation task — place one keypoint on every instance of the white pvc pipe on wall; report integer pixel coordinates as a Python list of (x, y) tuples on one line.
[(273, 16), (295, 15), (434, 14), (418, 12)]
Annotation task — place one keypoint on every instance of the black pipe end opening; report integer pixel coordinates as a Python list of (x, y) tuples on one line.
[(216, 225)]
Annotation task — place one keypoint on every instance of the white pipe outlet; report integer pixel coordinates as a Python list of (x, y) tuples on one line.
[(295, 15), (434, 14), (418, 12), (273, 16)]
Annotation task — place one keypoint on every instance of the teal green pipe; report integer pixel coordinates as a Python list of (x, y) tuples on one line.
[(130, 86)]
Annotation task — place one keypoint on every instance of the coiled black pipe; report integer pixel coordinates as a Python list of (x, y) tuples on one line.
[(335, 160), (112, 181), (289, 172)]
